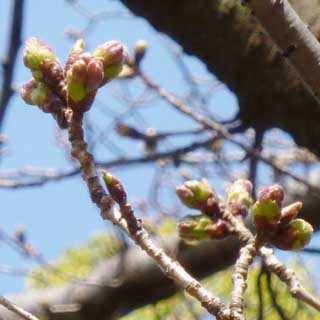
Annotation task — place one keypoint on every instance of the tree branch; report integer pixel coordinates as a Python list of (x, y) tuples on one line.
[(9, 62), (288, 277), (17, 310), (230, 42), (293, 38)]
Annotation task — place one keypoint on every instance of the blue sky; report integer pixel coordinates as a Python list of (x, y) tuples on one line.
[(59, 215)]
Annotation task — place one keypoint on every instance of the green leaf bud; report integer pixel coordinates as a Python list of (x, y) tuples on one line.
[(114, 187), (140, 50), (36, 52), (193, 227), (294, 236), (38, 93), (43, 63), (194, 193), (111, 55), (268, 209), (202, 227)]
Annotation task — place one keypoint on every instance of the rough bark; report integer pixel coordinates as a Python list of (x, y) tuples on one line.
[(227, 38)]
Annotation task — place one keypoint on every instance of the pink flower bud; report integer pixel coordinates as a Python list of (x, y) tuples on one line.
[(239, 197), (74, 54), (111, 55), (43, 63), (84, 77), (95, 74), (79, 70), (38, 93), (274, 193)]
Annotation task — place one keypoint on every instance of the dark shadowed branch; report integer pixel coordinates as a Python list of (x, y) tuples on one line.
[(10, 58)]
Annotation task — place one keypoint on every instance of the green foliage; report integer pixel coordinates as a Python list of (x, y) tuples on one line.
[(167, 226), (76, 262), (181, 306)]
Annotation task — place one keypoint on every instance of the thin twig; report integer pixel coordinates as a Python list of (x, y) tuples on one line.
[(17, 310), (219, 129), (253, 163), (272, 263), (311, 250), (239, 278), (288, 277), (56, 175)]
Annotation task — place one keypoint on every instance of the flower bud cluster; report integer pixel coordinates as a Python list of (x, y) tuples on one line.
[(239, 197), (276, 224), (199, 195), (76, 85), (42, 89)]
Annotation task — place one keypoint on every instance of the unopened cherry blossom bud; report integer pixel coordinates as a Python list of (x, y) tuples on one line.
[(267, 209), (194, 193), (114, 187), (239, 197), (140, 50), (83, 79), (74, 54), (111, 55), (193, 227), (294, 236), (35, 53), (201, 227), (38, 93), (289, 212), (274, 193), (95, 75), (211, 207), (218, 229), (43, 63)]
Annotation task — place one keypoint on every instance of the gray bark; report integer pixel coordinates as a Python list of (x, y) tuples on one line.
[(234, 47)]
